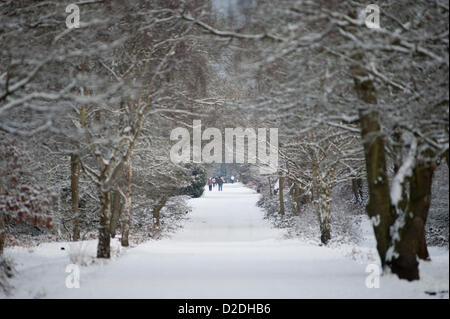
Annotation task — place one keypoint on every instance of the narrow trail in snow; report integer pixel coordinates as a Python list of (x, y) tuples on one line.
[(225, 250)]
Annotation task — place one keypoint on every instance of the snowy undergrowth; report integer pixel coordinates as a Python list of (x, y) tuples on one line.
[(41, 245), (346, 221), (6, 272), (83, 254), (172, 218), (437, 231), (351, 229), (49, 260)]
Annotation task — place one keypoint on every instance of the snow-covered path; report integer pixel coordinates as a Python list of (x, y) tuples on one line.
[(225, 250)]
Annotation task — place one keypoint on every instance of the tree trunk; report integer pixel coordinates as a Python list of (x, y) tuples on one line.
[(297, 198), (404, 262), (104, 238), (127, 208), (156, 211), (315, 189), (357, 190), (2, 232), (288, 181), (420, 200), (379, 207), (398, 161), (270, 186), (280, 192), (412, 241), (324, 214), (75, 178), (116, 210), (75, 170)]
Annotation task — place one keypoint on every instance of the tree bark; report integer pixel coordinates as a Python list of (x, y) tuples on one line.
[(157, 210), (104, 238), (116, 210), (324, 213), (297, 198), (412, 240), (280, 192), (420, 200), (315, 189), (75, 178), (75, 170), (404, 263), (357, 190), (127, 208), (379, 207)]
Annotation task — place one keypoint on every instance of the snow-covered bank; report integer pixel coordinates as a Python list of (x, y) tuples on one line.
[(225, 250)]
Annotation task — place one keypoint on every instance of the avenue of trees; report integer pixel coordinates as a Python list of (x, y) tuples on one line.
[(86, 113)]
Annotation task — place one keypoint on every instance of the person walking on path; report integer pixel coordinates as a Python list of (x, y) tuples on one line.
[(220, 183), (210, 183), (232, 179)]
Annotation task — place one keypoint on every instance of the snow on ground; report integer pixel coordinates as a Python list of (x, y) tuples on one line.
[(225, 250)]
